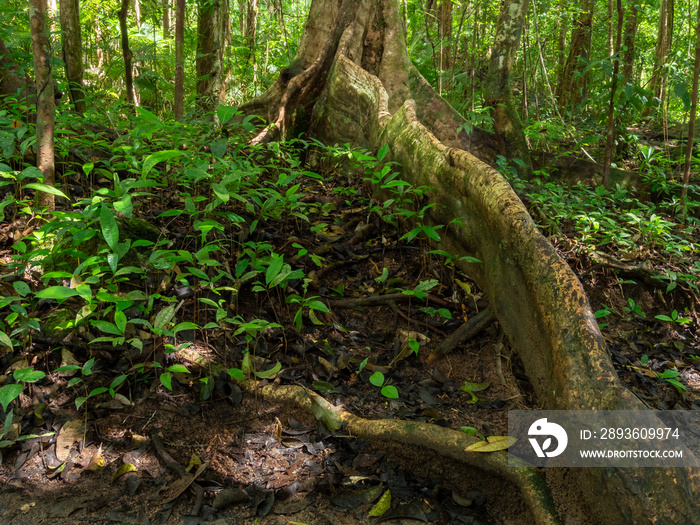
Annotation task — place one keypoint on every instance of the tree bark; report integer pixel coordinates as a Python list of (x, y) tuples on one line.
[(498, 93), (657, 84), (693, 112), (629, 41), (572, 84), (179, 102), (126, 52), (211, 25), (357, 85), (166, 18), (71, 43), (610, 135), (45, 99)]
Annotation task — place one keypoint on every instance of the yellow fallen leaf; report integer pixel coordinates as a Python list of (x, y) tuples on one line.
[(382, 505), (126, 467), (493, 444)]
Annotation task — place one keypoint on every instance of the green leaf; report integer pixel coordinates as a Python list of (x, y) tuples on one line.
[(270, 373), (108, 223), (178, 369), (225, 113), (107, 327), (164, 316), (166, 379), (28, 375), (383, 151), (120, 321), (9, 393), (324, 387), (155, 158), (382, 505), (664, 318), (97, 391), (21, 288), (56, 292), (236, 373), (45, 188), (390, 391), (5, 339), (377, 379), (274, 268)]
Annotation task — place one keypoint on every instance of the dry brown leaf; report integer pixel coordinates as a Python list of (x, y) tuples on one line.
[(493, 444)]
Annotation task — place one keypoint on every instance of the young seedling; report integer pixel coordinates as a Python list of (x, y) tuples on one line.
[(378, 380)]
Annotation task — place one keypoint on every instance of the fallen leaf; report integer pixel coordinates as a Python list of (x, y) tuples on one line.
[(382, 505), (126, 467), (492, 444), (71, 431)]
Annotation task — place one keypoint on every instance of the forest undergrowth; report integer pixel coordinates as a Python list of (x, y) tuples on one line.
[(182, 265)]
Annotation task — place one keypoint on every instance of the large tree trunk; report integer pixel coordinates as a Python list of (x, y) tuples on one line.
[(355, 84), (45, 99), (72, 46), (498, 94), (211, 28)]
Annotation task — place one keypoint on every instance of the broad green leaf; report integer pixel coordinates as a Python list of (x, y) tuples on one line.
[(274, 268), (107, 327), (108, 223), (390, 391), (155, 158), (9, 393), (493, 444), (164, 316), (236, 373), (221, 192), (324, 387), (28, 375), (97, 391), (377, 379), (178, 369), (166, 379), (225, 113), (21, 288), (56, 292), (185, 326), (120, 321), (5, 339), (45, 188)]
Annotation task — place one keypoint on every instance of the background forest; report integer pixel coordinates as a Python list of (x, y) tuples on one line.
[(154, 251)]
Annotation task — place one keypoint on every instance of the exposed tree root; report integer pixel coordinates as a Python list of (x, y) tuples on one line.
[(446, 443), (468, 330)]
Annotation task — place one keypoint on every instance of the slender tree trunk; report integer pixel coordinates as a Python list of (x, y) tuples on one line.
[(498, 93), (179, 102), (628, 40), (572, 85), (251, 28), (445, 35), (561, 43), (166, 18), (45, 99), (610, 137), (693, 112), (657, 84), (126, 52), (610, 25), (73, 52), (137, 14)]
